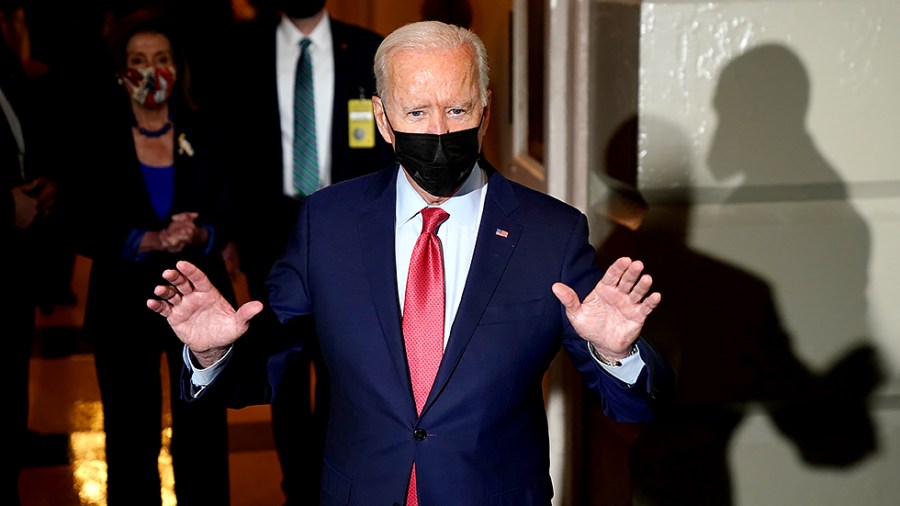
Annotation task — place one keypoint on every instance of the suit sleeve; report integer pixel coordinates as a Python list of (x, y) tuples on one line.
[(261, 357), (621, 401)]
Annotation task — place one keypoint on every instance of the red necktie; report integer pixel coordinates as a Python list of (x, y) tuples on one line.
[(423, 316)]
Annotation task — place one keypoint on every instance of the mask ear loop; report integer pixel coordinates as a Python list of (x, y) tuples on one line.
[(386, 118), (121, 79)]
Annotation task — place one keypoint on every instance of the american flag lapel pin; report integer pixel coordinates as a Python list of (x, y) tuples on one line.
[(502, 233)]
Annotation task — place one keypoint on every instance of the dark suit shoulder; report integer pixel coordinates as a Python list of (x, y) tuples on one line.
[(361, 187), (354, 56), (517, 198), (249, 32), (346, 33)]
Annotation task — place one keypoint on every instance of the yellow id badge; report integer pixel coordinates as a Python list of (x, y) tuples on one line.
[(361, 122)]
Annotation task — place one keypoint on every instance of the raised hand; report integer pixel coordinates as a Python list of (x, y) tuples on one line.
[(612, 315), (198, 313)]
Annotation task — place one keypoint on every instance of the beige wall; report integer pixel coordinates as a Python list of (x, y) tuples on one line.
[(768, 137)]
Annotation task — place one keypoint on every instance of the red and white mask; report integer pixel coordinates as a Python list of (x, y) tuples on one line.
[(149, 86)]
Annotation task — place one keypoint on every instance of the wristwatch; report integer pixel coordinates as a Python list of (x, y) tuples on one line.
[(617, 363)]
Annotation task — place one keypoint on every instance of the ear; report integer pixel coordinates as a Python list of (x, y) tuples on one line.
[(486, 119), (381, 120)]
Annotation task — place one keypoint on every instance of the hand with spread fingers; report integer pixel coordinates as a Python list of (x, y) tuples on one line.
[(612, 315), (198, 313)]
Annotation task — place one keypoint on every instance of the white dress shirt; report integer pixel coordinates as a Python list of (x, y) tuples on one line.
[(287, 52), (459, 230)]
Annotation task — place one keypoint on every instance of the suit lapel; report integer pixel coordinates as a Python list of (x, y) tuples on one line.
[(342, 78), (270, 128), (376, 231), (498, 235)]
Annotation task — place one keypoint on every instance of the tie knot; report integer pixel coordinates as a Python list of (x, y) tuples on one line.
[(432, 217), (304, 45)]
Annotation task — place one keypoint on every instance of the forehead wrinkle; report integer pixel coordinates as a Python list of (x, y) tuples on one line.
[(413, 75)]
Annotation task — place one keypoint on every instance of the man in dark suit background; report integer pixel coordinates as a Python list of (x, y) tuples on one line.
[(266, 52), (27, 198), (519, 285)]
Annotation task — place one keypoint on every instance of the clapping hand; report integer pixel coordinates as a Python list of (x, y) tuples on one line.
[(181, 232)]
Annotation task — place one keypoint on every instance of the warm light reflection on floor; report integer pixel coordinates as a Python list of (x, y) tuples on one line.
[(88, 458), (166, 475)]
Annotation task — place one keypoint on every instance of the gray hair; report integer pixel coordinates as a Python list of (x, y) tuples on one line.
[(428, 35)]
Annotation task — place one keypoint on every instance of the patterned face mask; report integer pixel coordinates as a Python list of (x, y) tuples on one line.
[(150, 86)]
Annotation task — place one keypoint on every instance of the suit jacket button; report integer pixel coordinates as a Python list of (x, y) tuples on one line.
[(420, 434)]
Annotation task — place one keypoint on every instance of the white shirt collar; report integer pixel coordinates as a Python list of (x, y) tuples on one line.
[(289, 35), (464, 206)]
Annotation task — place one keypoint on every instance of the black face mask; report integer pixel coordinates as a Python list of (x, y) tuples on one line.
[(299, 9), (439, 163)]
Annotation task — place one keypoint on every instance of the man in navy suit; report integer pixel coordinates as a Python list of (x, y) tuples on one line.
[(267, 50), (519, 282)]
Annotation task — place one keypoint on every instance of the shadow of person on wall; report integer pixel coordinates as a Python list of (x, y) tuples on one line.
[(820, 256), (720, 328)]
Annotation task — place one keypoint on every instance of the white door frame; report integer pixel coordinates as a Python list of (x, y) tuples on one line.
[(564, 173)]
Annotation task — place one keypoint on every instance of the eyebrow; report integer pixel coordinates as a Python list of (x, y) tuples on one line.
[(467, 105), (411, 108)]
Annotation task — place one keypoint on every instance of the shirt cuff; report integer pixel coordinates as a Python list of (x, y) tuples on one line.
[(203, 377), (629, 370)]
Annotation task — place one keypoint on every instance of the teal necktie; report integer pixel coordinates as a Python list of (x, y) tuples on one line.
[(305, 155)]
